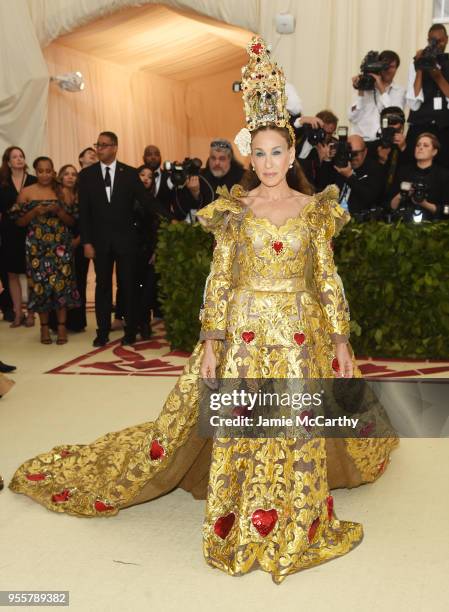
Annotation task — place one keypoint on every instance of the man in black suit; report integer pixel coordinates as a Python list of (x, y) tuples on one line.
[(107, 194), (163, 187)]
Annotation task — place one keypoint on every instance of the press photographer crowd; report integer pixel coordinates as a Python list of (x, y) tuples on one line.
[(390, 159)]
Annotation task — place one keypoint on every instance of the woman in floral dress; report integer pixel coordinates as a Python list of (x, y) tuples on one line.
[(49, 254)]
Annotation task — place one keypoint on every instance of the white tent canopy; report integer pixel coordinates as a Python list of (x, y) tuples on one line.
[(161, 75)]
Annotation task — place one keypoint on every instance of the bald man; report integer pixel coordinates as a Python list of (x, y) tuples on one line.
[(361, 182)]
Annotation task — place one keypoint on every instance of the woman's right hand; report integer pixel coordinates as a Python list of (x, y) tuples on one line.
[(209, 361), (40, 209)]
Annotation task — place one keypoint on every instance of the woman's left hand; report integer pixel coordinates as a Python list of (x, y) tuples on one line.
[(346, 369)]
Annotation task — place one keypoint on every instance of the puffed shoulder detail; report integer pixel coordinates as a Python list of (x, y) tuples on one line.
[(216, 215), (325, 214)]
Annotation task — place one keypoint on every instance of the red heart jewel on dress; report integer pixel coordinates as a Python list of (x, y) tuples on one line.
[(299, 338), (36, 477), (310, 415), (57, 498), (312, 529), (264, 520), (241, 411), (278, 246), (365, 431), (248, 336), (330, 507), (156, 450), (335, 365), (223, 525), (100, 506)]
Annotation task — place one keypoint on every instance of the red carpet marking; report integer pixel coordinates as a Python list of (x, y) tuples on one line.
[(154, 358)]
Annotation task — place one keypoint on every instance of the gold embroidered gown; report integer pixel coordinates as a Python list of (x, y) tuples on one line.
[(274, 304)]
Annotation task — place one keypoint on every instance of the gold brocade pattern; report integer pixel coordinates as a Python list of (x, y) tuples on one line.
[(274, 304)]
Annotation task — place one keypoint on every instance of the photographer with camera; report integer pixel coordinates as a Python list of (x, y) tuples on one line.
[(360, 179), (162, 186), (200, 185), (313, 138), (389, 150), (428, 93), (375, 91), (421, 189)]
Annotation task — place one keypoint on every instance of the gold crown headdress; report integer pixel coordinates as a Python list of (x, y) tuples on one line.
[(263, 86)]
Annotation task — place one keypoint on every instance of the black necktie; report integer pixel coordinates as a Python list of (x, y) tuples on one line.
[(107, 178)]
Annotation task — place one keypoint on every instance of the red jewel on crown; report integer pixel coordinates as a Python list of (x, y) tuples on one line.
[(335, 365), (264, 520), (248, 336), (156, 450), (224, 524), (381, 466), (256, 48), (63, 496), (312, 529), (299, 338), (278, 246), (65, 453), (101, 506)]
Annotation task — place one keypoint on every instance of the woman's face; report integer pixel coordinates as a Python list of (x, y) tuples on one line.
[(44, 173), (16, 160), (146, 176), (271, 157), (68, 179), (424, 149)]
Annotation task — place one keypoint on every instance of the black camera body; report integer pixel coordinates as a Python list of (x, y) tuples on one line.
[(314, 135), (341, 151), (429, 57), (413, 192), (371, 64), (179, 172), (387, 131)]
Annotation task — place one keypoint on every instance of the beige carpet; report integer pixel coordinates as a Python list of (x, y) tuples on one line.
[(150, 557)]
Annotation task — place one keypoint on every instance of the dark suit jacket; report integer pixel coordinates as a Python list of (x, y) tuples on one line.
[(165, 195), (105, 224)]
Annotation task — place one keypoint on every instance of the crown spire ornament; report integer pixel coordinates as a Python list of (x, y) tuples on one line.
[(264, 99)]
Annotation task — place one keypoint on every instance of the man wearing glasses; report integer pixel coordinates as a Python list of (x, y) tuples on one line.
[(108, 190), (221, 169), (361, 182)]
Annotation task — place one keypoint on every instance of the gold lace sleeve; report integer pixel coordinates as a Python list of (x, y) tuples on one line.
[(219, 218), (326, 218)]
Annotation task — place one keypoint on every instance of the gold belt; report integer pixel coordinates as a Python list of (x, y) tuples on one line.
[(286, 285)]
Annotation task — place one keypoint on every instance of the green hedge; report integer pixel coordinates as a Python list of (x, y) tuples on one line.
[(396, 279)]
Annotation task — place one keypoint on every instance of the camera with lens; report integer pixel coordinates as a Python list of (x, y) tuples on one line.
[(415, 191), (341, 150), (314, 135), (412, 194), (371, 64), (179, 172), (429, 57), (387, 131)]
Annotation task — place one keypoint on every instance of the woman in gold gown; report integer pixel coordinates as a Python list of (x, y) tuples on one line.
[(274, 308)]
